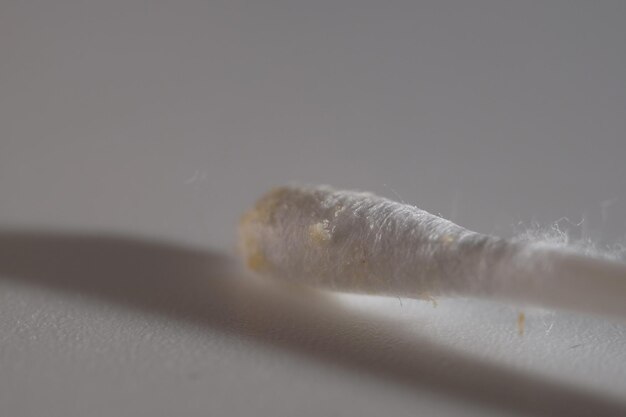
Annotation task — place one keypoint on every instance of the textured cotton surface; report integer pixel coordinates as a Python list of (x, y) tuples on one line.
[(357, 241)]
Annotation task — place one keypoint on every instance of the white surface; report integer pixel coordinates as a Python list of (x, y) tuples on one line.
[(163, 122)]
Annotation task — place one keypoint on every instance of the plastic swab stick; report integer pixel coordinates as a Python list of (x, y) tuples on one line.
[(361, 243)]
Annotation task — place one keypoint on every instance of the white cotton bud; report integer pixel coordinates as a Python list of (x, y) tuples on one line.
[(358, 242)]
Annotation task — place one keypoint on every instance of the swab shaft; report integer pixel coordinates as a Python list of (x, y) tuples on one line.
[(554, 277), (358, 242)]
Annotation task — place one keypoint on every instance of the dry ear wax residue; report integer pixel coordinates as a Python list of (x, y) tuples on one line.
[(320, 232), (261, 214), (426, 296), (447, 240), (521, 323), (432, 300), (251, 249)]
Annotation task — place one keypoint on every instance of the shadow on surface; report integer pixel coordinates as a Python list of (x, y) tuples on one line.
[(207, 288)]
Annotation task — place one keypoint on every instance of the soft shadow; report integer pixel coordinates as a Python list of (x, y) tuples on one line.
[(207, 288)]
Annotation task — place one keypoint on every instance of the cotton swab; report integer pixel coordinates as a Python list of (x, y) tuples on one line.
[(361, 243)]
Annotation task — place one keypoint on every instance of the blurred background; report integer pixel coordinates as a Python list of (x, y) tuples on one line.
[(162, 121)]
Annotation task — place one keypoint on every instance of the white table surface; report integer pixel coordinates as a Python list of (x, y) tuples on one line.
[(133, 134)]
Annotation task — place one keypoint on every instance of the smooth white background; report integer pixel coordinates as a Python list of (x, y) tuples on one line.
[(138, 122)]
